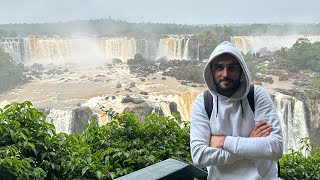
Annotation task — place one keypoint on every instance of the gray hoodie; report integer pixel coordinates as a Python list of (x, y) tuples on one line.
[(241, 157)]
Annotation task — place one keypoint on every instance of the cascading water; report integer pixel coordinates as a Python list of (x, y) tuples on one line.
[(62, 50), (254, 44), (60, 119), (174, 48), (293, 120), (49, 49), (17, 48), (184, 103), (123, 48)]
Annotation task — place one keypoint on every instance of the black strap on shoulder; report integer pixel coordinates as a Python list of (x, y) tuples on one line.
[(208, 102), (250, 98)]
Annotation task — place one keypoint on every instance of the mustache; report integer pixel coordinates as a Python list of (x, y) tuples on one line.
[(225, 79)]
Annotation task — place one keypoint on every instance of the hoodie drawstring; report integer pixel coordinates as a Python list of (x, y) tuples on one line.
[(241, 107), (217, 107)]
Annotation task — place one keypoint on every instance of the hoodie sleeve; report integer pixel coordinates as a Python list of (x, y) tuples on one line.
[(202, 154), (269, 147)]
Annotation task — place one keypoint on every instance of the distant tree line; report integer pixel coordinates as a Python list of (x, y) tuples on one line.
[(111, 27)]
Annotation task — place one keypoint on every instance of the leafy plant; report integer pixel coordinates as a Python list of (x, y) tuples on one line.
[(10, 72), (253, 66), (302, 164), (30, 148), (303, 55)]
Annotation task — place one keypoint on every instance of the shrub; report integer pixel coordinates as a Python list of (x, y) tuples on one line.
[(300, 165), (11, 73), (30, 148)]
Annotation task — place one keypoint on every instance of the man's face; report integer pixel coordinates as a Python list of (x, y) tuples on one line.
[(227, 72)]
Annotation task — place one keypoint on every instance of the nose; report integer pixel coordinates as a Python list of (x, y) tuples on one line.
[(225, 72)]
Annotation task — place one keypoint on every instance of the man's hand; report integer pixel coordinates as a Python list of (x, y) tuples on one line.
[(217, 141), (262, 129)]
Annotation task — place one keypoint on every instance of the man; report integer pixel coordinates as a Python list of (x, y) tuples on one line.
[(235, 142)]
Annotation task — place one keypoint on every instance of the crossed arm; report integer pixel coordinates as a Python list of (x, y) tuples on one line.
[(262, 129), (264, 141)]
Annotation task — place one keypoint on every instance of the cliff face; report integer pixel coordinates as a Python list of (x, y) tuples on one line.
[(313, 120)]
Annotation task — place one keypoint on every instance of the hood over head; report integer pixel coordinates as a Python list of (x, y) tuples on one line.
[(229, 48)]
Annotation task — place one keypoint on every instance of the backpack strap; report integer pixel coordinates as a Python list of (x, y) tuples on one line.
[(208, 102), (250, 98), (279, 174)]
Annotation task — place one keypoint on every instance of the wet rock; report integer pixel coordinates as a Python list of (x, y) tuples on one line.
[(173, 108), (116, 61), (100, 75), (119, 85), (127, 99), (83, 77), (144, 93), (80, 117), (137, 100), (133, 84), (143, 110)]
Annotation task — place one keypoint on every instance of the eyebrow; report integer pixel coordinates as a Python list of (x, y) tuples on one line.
[(227, 64)]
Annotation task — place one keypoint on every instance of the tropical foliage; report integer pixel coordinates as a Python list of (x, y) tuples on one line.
[(30, 148), (302, 164), (253, 65), (314, 92), (10, 72), (303, 55)]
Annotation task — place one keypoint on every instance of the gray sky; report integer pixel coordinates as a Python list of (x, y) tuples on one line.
[(162, 11)]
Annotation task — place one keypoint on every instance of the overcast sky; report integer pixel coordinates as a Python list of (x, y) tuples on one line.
[(162, 11)]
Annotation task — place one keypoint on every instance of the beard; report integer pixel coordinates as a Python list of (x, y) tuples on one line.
[(227, 86)]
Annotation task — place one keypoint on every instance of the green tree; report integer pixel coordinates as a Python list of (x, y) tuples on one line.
[(30, 148), (11, 73), (253, 66), (304, 55)]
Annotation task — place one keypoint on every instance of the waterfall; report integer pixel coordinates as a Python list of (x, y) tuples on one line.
[(17, 48), (254, 44), (61, 119), (52, 49), (75, 50), (186, 50), (123, 48), (174, 48), (293, 120), (185, 102)]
